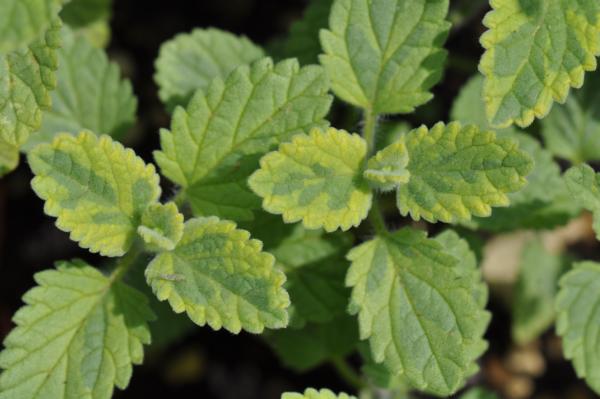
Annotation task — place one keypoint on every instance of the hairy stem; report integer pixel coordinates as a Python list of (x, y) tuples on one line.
[(348, 373), (369, 132), (125, 263)]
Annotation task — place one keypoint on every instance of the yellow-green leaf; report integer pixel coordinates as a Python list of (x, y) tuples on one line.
[(96, 188), (316, 178), (221, 277)]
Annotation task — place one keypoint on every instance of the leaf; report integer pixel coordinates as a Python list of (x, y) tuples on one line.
[(211, 142), (91, 95), (535, 292), (316, 178), (9, 157), (418, 309), (385, 55), (308, 347), (312, 393), (77, 337), (578, 307), (459, 248), (303, 39), (27, 75), (79, 13), (535, 52), (161, 227), (386, 170), (96, 188), (584, 185), (190, 61), (544, 202), (315, 267), (457, 172), (571, 131), (24, 21), (221, 277)]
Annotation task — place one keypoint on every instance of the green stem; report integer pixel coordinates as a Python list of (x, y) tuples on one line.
[(124, 264), (348, 373), (376, 219), (369, 131)]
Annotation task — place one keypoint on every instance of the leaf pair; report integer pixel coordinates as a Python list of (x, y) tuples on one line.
[(447, 173)]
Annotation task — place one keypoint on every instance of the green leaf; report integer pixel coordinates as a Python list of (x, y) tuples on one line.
[(459, 248), (9, 157), (91, 95), (578, 309), (97, 189), (210, 144), (535, 52), (457, 172), (535, 292), (571, 130), (79, 13), (312, 393), (544, 202), (419, 310), (386, 170), (190, 61), (161, 227), (385, 55), (303, 38), (221, 277), (27, 75), (315, 267), (77, 337), (24, 21), (316, 178), (308, 347), (584, 185)]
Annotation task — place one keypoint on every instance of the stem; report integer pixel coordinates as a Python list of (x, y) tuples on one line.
[(124, 264), (377, 220), (179, 199), (348, 373), (375, 215), (369, 131)]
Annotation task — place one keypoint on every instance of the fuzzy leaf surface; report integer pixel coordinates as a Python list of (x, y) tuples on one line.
[(210, 145), (418, 309), (578, 310), (535, 52), (190, 61), (316, 178), (77, 337), (96, 188), (24, 21), (459, 171), (91, 94), (544, 202), (27, 75), (385, 55), (161, 226), (386, 170), (221, 277)]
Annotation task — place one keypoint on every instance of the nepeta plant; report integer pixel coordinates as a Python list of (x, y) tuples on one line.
[(281, 218)]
